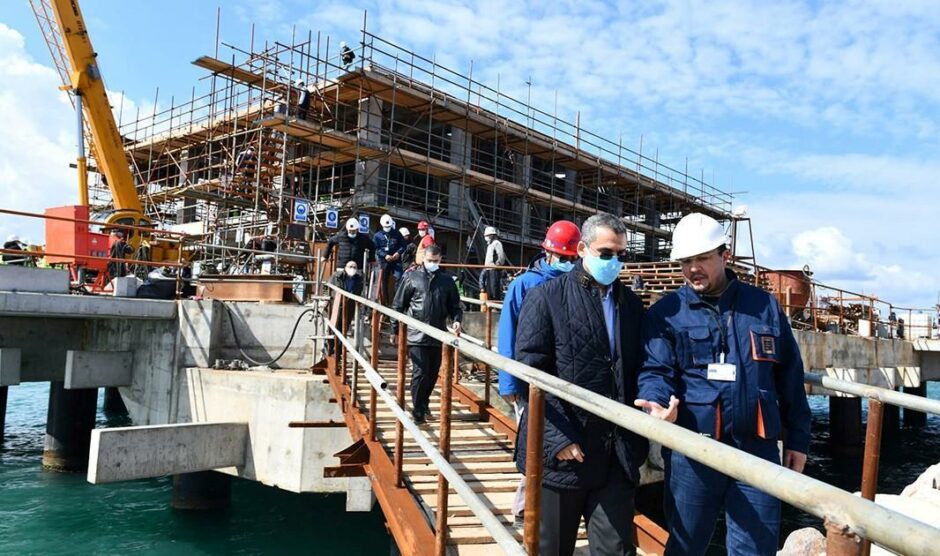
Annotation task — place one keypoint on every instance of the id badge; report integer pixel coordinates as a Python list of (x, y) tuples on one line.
[(721, 371)]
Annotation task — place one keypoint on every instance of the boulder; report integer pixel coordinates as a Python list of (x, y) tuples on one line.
[(804, 542)]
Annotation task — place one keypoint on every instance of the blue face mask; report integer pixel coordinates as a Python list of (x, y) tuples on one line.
[(605, 272), (561, 266)]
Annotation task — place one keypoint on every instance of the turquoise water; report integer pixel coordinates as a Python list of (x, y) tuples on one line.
[(55, 513)]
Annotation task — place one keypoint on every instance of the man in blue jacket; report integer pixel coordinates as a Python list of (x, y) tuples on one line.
[(389, 247), (561, 252), (721, 360), (584, 327)]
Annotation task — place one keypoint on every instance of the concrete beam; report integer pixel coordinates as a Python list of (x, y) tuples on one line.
[(93, 369), (29, 279), (9, 366), (127, 453), (22, 304)]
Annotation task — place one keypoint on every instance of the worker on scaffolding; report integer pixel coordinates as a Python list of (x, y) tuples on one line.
[(13, 243), (389, 247), (303, 101), (428, 294), (492, 276), (348, 279), (559, 255), (350, 245), (425, 240), (120, 249), (721, 360), (584, 328), (411, 249)]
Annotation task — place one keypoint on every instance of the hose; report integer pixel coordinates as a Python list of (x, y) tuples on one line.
[(231, 323)]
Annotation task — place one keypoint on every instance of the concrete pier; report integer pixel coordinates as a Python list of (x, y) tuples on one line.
[(69, 424), (204, 490), (845, 424), (3, 411), (915, 418)]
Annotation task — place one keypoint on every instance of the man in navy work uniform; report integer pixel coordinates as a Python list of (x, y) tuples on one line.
[(561, 252), (721, 360), (584, 327), (389, 247)]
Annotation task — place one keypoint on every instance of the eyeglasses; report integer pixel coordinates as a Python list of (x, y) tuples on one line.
[(607, 254), (566, 258)]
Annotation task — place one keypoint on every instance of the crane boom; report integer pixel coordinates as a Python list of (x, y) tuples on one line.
[(85, 81)]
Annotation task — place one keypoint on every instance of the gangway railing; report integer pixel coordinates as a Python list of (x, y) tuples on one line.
[(848, 518)]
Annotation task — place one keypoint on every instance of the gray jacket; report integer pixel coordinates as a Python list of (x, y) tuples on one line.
[(428, 298)]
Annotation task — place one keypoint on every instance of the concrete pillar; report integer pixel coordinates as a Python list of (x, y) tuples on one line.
[(3, 411), (915, 418), (460, 143), (203, 490), (69, 424), (846, 433), (892, 420), (571, 185), (113, 403), (652, 219), (370, 134)]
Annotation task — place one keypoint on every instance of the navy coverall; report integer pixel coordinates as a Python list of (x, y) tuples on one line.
[(389, 243), (766, 402)]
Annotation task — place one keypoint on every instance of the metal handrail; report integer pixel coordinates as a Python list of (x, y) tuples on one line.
[(884, 395), (480, 302), (474, 501), (864, 518)]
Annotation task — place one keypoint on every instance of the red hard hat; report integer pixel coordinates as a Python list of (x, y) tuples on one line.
[(562, 238), (423, 225)]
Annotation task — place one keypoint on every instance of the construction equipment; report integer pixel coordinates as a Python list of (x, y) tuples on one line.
[(66, 35)]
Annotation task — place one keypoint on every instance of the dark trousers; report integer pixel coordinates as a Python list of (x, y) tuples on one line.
[(425, 366), (695, 494), (492, 284), (607, 511)]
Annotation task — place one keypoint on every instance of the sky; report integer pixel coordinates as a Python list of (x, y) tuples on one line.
[(822, 117)]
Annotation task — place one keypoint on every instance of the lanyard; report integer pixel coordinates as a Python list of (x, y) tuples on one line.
[(724, 331)]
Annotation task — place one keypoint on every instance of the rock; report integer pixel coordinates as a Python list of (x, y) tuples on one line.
[(929, 479), (804, 542)]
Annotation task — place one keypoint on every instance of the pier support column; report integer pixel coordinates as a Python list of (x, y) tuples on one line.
[(203, 490), (113, 403), (915, 418), (892, 420), (69, 424), (846, 433), (3, 411)]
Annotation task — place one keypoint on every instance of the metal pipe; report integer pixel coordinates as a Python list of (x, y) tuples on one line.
[(357, 343), (888, 528), (533, 469), (443, 490), (400, 393), (487, 376), (375, 364), (93, 223), (474, 501), (884, 395), (872, 456), (81, 162)]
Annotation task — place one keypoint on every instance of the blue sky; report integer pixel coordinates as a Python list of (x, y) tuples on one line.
[(826, 114)]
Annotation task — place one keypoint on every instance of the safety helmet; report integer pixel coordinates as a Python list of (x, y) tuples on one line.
[(562, 238), (695, 234), (352, 224), (489, 231), (386, 221), (423, 225), (404, 231)]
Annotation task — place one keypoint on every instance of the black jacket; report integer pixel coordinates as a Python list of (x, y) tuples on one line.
[(562, 331), (428, 298), (349, 248)]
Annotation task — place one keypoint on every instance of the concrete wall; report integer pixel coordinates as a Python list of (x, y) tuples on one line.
[(263, 331)]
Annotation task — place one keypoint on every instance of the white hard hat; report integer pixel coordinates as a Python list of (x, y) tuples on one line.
[(352, 224), (489, 231), (404, 231), (13, 237), (695, 234), (386, 221)]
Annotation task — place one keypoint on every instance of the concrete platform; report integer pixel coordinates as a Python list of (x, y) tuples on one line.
[(23, 304)]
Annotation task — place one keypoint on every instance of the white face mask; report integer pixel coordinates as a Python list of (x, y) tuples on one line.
[(387, 228), (350, 271), (352, 234), (431, 267)]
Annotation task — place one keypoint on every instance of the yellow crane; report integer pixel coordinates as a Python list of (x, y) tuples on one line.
[(64, 30)]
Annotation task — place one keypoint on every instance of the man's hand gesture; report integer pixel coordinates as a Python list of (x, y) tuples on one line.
[(665, 413)]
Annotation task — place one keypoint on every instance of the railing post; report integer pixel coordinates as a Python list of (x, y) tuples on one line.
[(533, 468), (374, 360), (357, 342), (487, 370), (443, 487), (872, 456), (344, 307), (400, 392), (841, 541)]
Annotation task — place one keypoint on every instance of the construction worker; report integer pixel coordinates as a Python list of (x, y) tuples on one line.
[(389, 247), (560, 253), (303, 101), (348, 279), (428, 294), (721, 360), (119, 250), (408, 255), (492, 278), (13, 243), (425, 239), (584, 327), (350, 245)]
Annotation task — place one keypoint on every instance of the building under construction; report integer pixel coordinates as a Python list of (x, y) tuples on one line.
[(380, 129)]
